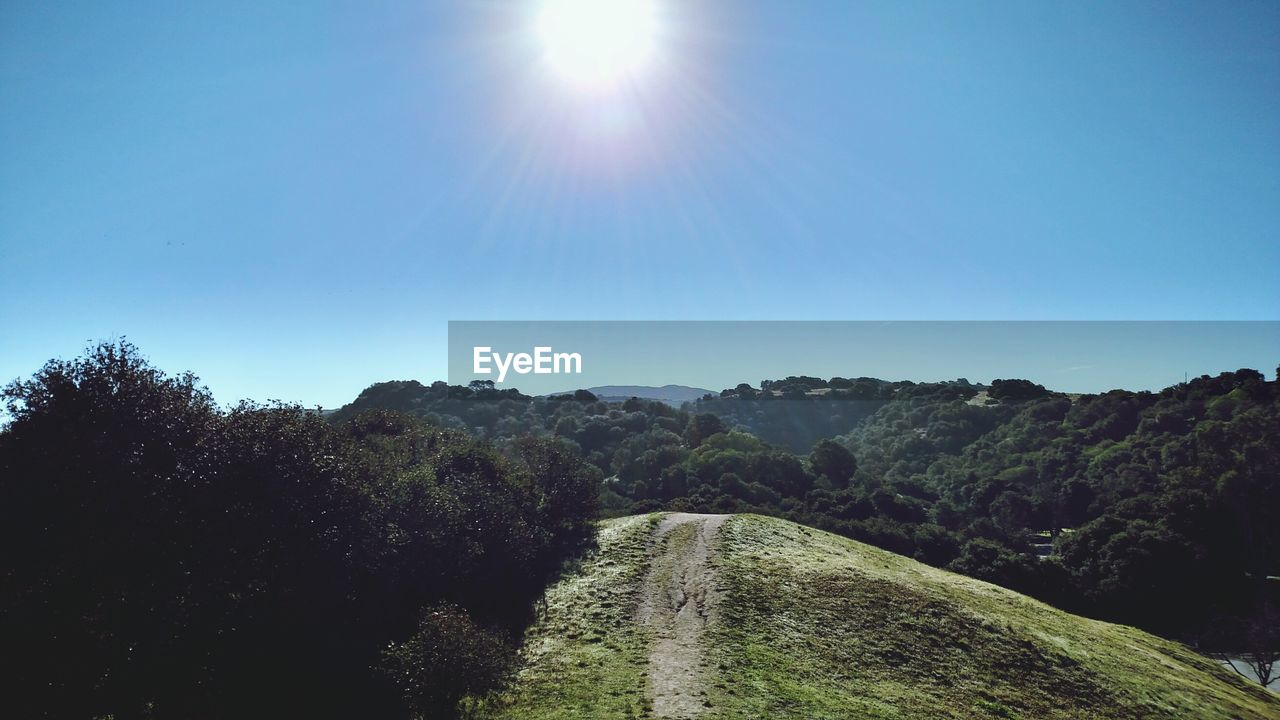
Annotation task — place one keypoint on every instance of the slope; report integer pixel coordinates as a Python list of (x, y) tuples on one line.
[(709, 616)]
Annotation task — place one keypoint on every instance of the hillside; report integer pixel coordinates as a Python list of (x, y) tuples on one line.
[(673, 395), (680, 615), (1157, 510)]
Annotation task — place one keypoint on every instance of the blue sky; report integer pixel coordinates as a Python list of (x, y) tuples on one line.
[(292, 199)]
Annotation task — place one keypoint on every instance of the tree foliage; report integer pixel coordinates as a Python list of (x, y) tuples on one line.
[(181, 561), (1155, 509)]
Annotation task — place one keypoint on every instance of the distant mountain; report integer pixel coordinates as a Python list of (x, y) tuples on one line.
[(669, 394)]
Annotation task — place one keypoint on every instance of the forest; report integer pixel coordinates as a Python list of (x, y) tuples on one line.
[(1156, 509), (184, 559)]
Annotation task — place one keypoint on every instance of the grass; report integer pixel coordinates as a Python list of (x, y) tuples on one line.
[(585, 657), (817, 626), (811, 625)]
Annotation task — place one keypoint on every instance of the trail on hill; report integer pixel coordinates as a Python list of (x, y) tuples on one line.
[(678, 600)]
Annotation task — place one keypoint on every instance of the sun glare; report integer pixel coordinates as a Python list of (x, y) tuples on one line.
[(597, 44)]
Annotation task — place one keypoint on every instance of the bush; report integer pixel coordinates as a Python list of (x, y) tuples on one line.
[(449, 658), (179, 561)]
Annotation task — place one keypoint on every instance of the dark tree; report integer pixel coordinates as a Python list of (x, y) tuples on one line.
[(179, 561), (448, 658), (702, 427), (834, 461)]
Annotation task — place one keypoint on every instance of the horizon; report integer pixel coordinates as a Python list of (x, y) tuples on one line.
[(569, 391), (755, 386), (1119, 354), (1083, 357)]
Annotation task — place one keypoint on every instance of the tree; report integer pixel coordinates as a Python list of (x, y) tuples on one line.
[(1012, 511), (1016, 390), (447, 659), (100, 469), (1260, 640), (567, 491), (833, 460), (179, 561), (991, 561), (1071, 504), (701, 427)]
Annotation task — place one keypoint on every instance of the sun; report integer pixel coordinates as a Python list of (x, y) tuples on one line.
[(597, 44)]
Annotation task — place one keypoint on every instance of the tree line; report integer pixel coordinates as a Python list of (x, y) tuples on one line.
[(1160, 510), (167, 558)]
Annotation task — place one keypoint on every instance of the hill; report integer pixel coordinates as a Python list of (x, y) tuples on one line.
[(723, 616), (673, 395), (1159, 510)]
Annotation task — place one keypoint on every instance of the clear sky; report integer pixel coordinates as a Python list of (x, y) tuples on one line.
[(292, 199)]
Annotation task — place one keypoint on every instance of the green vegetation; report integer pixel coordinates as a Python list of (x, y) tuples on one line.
[(169, 559), (1160, 510), (811, 625), (586, 655), (181, 559), (817, 626)]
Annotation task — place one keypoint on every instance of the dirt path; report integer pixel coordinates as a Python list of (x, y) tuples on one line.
[(678, 601)]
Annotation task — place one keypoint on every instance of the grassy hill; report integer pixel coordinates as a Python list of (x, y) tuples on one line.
[(744, 616)]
